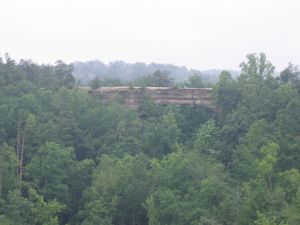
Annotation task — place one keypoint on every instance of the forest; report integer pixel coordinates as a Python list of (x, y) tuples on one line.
[(67, 158)]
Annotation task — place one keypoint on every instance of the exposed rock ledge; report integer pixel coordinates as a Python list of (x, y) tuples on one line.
[(132, 96)]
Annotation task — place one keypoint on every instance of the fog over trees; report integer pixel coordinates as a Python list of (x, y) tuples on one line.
[(87, 71)]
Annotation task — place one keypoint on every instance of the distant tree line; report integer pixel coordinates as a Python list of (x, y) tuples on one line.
[(125, 72), (157, 79)]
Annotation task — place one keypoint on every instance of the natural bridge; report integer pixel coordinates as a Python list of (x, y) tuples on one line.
[(132, 96)]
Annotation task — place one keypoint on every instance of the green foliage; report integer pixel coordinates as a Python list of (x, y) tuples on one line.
[(87, 162), (8, 167), (264, 220), (266, 164), (194, 81), (106, 82), (245, 154), (207, 138), (161, 137), (291, 75), (49, 167), (256, 66), (157, 79), (226, 93), (32, 209), (178, 200), (119, 187)]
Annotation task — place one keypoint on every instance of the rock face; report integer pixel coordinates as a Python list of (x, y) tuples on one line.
[(132, 96)]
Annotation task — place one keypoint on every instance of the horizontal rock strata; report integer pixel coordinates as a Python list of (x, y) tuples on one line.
[(132, 96)]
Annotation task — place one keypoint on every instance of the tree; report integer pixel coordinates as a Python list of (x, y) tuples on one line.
[(32, 209), (245, 154), (30, 135), (118, 189), (256, 66), (287, 122), (105, 82), (207, 139), (49, 170), (8, 167), (291, 75), (160, 138), (63, 74), (262, 193), (195, 81), (289, 181), (157, 79), (226, 93), (264, 220), (187, 189), (65, 103), (266, 165)]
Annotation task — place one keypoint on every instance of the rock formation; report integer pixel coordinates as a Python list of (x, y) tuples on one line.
[(132, 96)]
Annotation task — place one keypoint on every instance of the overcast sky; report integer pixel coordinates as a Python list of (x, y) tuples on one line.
[(201, 34)]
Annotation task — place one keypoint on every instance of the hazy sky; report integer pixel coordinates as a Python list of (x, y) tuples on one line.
[(201, 34)]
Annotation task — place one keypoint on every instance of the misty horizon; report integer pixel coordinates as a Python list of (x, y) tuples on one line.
[(107, 63), (197, 34)]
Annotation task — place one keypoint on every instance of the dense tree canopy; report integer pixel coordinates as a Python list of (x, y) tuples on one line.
[(68, 158)]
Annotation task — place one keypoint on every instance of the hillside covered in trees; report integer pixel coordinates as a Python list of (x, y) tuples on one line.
[(68, 158)]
